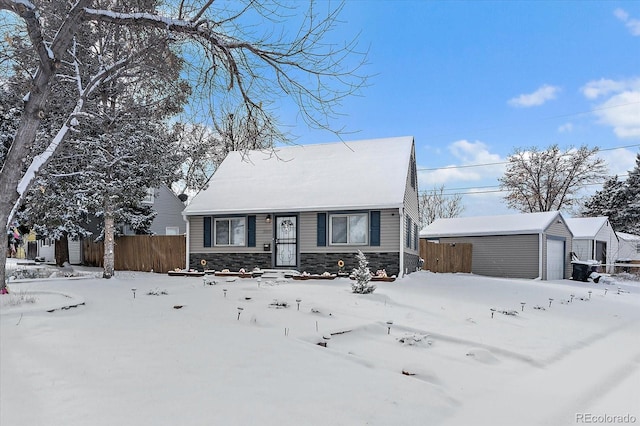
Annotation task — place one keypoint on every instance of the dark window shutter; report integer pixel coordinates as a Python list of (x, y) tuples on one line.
[(415, 236), (374, 228), (408, 232), (251, 227), (322, 229), (207, 231)]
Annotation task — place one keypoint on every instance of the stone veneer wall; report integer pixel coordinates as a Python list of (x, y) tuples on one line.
[(231, 261), (314, 263), (317, 263)]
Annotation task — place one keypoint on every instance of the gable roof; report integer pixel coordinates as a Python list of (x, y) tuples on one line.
[(356, 175), (586, 227), (512, 224)]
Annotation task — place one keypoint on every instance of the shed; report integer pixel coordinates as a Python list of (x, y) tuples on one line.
[(594, 239)]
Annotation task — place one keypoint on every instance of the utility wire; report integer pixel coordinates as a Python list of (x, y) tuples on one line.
[(464, 166), (427, 191)]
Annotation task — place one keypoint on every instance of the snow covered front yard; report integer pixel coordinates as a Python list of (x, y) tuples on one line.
[(423, 350)]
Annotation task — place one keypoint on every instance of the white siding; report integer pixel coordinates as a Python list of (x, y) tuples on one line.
[(74, 252)]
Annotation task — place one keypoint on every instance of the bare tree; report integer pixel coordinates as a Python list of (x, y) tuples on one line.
[(549, 180), (204, 148), (225, 57), (435, 204)]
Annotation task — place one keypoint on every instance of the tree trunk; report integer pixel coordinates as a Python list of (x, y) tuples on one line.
[(62, 250), (109, 243)]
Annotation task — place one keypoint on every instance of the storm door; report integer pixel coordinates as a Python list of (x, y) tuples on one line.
[(286, 241)]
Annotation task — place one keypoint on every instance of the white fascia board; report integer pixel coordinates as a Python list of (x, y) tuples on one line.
[(291, 209)]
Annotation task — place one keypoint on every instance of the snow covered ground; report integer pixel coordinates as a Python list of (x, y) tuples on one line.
[(103, 357)]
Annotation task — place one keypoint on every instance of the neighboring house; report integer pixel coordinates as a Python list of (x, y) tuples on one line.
[(307, 207), (168, 208), (629, 247), (594, 239), (527, 245)]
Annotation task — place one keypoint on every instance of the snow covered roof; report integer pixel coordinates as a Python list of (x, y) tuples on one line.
[(628, 237), (586, 227), (523, 223), (355, 175)]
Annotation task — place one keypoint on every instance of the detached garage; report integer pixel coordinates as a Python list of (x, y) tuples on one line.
[(527, 245)]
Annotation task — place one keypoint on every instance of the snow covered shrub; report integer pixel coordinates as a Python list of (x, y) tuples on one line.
[(157, 292), (20, 298), (362, 276), (278, 304), (412, 339)]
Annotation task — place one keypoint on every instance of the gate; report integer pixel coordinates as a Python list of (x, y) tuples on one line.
[(446, 257)]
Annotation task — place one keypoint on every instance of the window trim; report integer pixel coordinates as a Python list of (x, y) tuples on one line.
[(229, 220), (348, 215)]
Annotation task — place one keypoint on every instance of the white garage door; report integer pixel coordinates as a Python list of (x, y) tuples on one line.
[(555, 259)]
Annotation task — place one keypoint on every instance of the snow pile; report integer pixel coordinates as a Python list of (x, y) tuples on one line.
[(421, 350)]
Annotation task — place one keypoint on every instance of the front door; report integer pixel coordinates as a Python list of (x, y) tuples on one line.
[(286, 241)]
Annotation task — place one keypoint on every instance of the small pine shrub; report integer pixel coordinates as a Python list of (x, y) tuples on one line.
[(362, 276)]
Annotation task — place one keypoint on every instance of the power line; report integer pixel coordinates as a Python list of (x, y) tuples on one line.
[(464, 166), (489, 191)]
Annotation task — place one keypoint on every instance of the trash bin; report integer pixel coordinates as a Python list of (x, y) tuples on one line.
[(580, 271)]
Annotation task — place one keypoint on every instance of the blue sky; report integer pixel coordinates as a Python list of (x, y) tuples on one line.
[(472, 80)]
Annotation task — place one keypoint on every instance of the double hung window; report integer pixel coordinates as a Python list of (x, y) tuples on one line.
[(230, 231), (349, 229)]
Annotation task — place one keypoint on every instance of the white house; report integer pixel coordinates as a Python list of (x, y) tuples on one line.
[(594, 239)]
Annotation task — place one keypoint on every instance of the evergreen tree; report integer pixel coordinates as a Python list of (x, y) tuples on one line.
[(362, 283), (610, 201), (631, 213), (619, 201)]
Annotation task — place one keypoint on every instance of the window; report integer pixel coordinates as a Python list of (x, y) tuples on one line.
[(408, 232), (638, 248), (230, 232), (148, 199), (349, 228), (171, 230)]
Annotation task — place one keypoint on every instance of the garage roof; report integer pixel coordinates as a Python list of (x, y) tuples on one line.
[(523, 223)]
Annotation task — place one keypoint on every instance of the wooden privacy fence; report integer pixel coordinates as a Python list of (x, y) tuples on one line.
[(446, 257), (158, 253)]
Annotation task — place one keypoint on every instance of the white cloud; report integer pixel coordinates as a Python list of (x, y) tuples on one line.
[(543, 94), (619, 161), (467, 153), (632, 24), (621, 108), (603, 87), (566, 128)]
